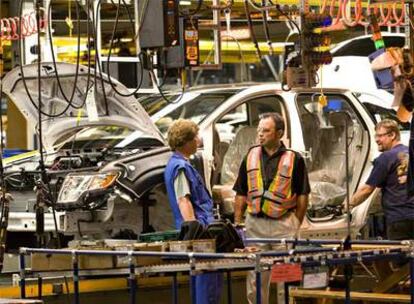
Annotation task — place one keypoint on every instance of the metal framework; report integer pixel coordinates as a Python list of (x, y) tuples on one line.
[(195, 263)]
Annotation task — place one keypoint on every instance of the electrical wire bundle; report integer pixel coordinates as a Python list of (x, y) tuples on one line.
[(386, 13), (43, 184)]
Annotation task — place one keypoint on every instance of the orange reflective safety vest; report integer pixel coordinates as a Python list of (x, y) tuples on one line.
[(278, 199)]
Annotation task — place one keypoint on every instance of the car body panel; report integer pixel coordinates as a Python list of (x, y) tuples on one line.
[(120, 111)]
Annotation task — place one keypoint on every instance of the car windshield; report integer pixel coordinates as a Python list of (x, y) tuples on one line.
[(195, 109), (379, 113), (95, 138)]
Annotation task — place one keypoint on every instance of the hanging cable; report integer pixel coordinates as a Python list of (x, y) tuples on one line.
[(68, 100), (384, 18), (44, 177), (266, 28), (357, 10), (98, 67), (140, 56), (154, 80), (10, 26), (292, 22), (398, 20), (251, 30), (29, 95), (177, 100)]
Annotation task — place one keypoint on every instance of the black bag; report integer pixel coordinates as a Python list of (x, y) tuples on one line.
[(193, 230), (227, 238)]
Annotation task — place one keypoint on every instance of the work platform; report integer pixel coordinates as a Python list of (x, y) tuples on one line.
[(175, 266)]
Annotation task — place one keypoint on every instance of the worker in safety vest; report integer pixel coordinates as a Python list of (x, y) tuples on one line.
[(273, 184), (189, 197)]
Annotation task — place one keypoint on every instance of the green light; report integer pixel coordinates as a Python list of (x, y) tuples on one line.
[(379, 44)]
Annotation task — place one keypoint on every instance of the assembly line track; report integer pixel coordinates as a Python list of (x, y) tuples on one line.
[(195, 262)]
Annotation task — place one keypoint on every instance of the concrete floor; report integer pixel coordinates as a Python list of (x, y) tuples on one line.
[(155, 295)]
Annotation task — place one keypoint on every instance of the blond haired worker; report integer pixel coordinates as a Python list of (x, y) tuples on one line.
[(189, 197)]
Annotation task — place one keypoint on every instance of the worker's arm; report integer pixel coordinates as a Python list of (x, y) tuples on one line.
[(239, 208), (186, 208), (361, 195), (301, 206)]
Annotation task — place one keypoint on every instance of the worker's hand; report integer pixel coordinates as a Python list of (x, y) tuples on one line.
[(344, 207)]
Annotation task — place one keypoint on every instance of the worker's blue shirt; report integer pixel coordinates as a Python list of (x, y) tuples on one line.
[(200, 197), (390, 174)]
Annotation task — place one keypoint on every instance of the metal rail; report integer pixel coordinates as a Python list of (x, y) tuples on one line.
[(195, 263)]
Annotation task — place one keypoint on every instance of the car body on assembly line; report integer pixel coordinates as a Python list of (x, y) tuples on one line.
[(228, 117), (109, 181), (88, 134)]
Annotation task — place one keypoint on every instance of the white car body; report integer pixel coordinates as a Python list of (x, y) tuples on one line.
[(328, 227), (316, 133), (122, 112)]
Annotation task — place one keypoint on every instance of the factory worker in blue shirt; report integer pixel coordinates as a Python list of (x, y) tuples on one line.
[(189, 197)]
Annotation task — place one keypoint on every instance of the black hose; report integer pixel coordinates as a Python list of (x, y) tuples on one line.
[(97, 61), (266, 28), (110, 52), (44, 177), (290, 20), (49, 13), (39, 78), (250, 25)]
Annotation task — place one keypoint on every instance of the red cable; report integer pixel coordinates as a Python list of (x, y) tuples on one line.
[(398, 20), (13, 26), (384, 18)]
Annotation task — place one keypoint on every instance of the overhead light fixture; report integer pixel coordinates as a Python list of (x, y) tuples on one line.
[(185, 2)]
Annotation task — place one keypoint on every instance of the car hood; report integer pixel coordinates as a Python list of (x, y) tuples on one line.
[(114, 110)]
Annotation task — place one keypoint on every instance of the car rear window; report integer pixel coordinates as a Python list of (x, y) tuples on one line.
[(364, 47)]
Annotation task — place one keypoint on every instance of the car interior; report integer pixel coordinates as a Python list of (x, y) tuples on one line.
[(328, 131)]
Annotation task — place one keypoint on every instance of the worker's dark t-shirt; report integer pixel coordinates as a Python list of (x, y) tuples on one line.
[(390, 174)]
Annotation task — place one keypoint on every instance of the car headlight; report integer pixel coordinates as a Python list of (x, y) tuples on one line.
[(76, 186)]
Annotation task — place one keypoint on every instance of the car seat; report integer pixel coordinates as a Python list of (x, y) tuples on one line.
[(219, 150), (311, 138), (244, 139), (223, 193)]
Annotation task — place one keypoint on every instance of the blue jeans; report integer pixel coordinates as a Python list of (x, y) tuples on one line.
[(208, 288)]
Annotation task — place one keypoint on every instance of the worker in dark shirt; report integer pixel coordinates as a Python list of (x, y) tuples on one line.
[(273, 185), (390, 174)]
